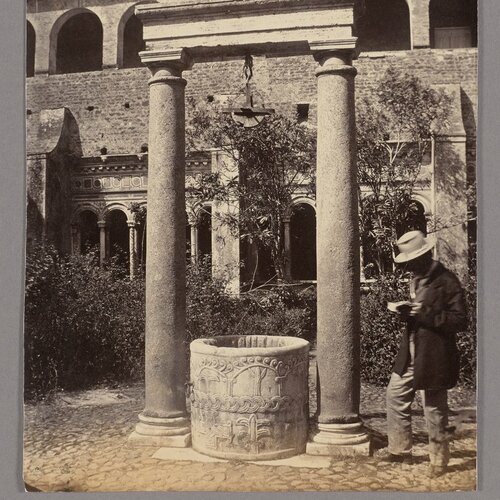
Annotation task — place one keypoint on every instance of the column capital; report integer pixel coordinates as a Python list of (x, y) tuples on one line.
[(131, 223), (346, 49), (173, 60), (101, 224), (164, 421), (335, 57)]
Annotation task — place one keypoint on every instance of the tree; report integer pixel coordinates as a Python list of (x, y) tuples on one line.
[(274, 161), (394, 130)]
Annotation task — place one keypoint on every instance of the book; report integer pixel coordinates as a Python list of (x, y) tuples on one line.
[(397, 307)]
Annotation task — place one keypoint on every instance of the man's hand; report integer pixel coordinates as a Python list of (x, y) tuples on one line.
[(416, 307)]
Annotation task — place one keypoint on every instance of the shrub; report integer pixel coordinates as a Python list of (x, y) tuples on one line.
[(282, 321), (83, 325), (381, 331), (209, 310), (467, 341), (279, 310)]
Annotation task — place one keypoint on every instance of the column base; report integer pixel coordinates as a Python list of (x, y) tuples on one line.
[(162, 432), (339, 440)]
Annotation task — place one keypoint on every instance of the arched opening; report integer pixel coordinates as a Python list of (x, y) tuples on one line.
[(30, 49), (89, 231), (453, 23), (383, 25), (205, 233), (117, 228), (132, 43), (303, 242), (79, 44)]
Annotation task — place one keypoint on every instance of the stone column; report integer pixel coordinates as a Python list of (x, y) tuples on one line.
[(136, 244), (194, 243), (102, 241), (132, 236), (164, 421), (108, 243), (288, 249), (75, 239), (340, 431)]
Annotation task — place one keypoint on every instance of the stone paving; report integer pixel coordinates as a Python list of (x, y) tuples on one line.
[(78, 442)]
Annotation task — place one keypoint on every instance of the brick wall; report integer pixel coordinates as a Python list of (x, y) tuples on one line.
[(111, 106)]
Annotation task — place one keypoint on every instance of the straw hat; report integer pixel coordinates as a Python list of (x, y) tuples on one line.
[(412, 245)]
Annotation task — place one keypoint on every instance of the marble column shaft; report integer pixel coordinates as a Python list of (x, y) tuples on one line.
[(194, 243), (75, 239), (107, 246), (338, 279), (337, 242), (288, 249), (132, 247), (164, 417), (102, 241), (165, 275)]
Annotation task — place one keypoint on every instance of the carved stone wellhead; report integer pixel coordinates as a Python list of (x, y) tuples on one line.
[(249, 396)]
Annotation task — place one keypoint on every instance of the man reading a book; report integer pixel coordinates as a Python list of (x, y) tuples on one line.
[(428, 358)]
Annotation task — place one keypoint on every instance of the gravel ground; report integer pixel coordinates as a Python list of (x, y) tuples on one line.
[(78, 442)]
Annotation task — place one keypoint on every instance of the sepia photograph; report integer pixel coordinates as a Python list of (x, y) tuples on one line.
[(251, 246)]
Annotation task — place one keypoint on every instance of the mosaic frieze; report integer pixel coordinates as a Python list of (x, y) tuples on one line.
[(109, 183)]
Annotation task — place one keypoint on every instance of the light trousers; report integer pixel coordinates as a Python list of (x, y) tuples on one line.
[(400, 395)]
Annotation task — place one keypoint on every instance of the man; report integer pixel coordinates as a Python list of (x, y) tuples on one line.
[(428, 359)]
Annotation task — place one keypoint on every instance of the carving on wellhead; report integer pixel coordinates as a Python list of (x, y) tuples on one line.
[(253, 406)]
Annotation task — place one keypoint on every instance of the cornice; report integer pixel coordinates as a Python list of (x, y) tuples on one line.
[(189, 8), (131, 163)]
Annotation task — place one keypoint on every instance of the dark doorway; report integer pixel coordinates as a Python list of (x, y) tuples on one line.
[(205, 233), (118, 236), (89, 232), (141, 245), (453, 23), (79, 44), (303, 242), (30, 49), (383, 25)]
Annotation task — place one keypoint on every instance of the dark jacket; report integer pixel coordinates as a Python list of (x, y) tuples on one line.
[(436, 363)]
